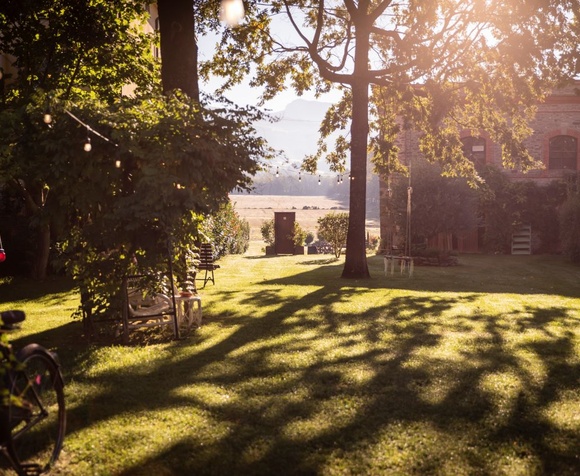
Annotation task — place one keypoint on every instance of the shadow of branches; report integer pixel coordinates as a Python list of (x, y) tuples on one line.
[(416, 383)]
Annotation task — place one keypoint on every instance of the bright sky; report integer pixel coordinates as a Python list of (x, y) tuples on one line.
[(245, 95)]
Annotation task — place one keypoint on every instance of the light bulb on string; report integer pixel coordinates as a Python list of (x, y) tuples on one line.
[(87, 147), (277, 172), (47, 116), (299, 177), (117, 164), (319, 180), (338, 179), (232, 12)]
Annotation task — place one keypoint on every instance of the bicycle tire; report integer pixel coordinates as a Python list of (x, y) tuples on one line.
[(36, 431)]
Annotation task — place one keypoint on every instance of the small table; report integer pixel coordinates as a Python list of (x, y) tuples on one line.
[(187, 315), (405, 262)]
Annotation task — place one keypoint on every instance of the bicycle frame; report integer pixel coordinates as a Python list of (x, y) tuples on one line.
[(30, 378)]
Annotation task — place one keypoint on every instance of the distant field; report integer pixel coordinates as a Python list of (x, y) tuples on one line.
[(259, 208)]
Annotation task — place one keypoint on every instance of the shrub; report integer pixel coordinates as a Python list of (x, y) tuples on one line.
[(333, 228), (268, 233), (570, 227), (229, 233), (298, 235), (372, 242)]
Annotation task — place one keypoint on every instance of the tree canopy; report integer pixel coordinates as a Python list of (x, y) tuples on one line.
[(438, 67), (157, 161)]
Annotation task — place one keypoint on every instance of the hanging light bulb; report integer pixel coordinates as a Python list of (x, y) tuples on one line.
[(277, 172), (232, 12), (47, 118), (117, 164), (87, 147), (299, 177), (319, 180), (338, 179)]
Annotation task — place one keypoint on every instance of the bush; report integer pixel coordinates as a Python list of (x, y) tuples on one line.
[(333, 228), (372, 242), (268, 233), (298, 235), (229, 233), (570, 227)]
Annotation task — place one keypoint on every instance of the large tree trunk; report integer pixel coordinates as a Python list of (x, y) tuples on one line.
[(355, 265), (178, 47)]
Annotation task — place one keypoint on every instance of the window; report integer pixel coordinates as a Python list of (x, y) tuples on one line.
[(474, 149), (563, 152), (156, 52)]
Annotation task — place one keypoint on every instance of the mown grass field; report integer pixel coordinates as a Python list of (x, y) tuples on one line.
[(473, 369), (257, 209)]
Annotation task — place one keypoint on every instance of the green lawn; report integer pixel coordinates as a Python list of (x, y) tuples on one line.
[(473, 369)]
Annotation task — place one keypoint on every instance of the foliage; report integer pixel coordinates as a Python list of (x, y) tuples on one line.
[(87, 49), (178, 161), (298, 235), (439, 67), (76, 51), (6, 365), (505, 205), (438, 204), (447, 205), (309, 238), (333, 228), (227, 231), (267, 229), (570, 227), (372, 242)]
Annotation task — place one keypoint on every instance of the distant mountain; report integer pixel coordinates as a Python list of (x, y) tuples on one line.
[(295, 133), (303, 108)]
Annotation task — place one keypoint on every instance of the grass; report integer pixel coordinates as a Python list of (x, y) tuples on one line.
[(473, 369)]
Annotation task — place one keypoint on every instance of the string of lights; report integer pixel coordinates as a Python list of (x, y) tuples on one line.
[(277, 171), (87, 147)]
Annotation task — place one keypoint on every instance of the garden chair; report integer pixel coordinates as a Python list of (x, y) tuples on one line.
[(206, 263)]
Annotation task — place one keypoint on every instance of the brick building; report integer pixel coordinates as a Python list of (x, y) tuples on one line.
[(555, 142)]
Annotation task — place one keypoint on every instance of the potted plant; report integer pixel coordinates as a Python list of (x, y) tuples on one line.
[(298, 238), (268, 235)]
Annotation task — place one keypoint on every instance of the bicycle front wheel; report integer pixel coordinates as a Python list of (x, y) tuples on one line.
[(37, 416)]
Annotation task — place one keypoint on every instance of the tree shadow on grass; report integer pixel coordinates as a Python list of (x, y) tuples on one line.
[(17, 289), (398, 387), (475, 276)]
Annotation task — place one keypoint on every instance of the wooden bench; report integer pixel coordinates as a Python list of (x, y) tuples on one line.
[(147, 307)]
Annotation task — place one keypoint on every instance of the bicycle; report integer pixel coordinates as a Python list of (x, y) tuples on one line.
[(32, 407)]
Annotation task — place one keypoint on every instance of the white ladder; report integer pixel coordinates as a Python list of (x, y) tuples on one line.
[(522, 240)]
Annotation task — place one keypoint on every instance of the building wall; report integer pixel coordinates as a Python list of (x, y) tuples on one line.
[(558, 115)]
